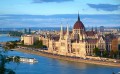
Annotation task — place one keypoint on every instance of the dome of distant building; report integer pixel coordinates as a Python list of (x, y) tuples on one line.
[(78, 24)]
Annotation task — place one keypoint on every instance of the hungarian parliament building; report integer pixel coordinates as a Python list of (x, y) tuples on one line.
[(77, 42)]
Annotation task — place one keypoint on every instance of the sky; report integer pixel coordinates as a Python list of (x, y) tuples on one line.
[(50, 7), (54, 12)]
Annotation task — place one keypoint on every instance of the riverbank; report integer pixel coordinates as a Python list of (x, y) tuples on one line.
[(73, 59)]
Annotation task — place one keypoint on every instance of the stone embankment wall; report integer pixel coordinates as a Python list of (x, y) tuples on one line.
[(74, 59)]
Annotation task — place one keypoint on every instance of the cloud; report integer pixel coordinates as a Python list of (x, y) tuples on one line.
[(104, 7), (57, 1), (2, 16), (56, 20)]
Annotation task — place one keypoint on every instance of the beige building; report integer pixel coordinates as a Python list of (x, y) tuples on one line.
[(28, 39), (115, 44), (44, 39)]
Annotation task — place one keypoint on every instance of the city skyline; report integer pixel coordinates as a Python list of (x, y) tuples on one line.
[(59, 36)]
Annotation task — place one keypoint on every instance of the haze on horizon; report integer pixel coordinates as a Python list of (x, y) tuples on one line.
[(44, 13)]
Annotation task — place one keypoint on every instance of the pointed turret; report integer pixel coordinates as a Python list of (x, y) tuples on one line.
[(61, 30), (67, 30), (61, 33), (78, 17)]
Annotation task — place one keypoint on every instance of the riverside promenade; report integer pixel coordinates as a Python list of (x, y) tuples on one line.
[(67, 58)]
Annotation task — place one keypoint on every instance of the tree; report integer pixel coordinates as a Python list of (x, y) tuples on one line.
[(105, 53), (3, 61), (96, 51), (118, 54), (113, 54), (38, 44), (22, 42), (11, 44), (15, 33)]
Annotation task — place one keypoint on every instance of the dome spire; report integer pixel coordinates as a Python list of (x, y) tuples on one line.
[(78, 24), (78, 17)]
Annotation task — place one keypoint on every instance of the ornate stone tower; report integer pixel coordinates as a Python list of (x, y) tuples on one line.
[(68, 41), (79, 30)]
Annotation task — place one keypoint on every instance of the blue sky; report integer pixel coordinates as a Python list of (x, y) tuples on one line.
[(48, 7), (57, 12)]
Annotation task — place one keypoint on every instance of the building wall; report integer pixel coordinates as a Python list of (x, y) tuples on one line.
[(44, 40), (28, 40), (89, 48), (62, 47), (115, 44), (51, 45), (79, 49), (101, 44)]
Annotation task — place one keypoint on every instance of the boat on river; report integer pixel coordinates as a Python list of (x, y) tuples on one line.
[(22, 59), (29, 60)]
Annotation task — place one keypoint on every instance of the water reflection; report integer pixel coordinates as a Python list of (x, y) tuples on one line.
[(75, 64)]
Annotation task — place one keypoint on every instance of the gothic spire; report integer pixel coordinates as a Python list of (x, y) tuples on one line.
[(61, 33), (67, 30), (78, 17)]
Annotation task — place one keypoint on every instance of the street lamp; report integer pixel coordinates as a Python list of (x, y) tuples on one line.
[(101, 52)]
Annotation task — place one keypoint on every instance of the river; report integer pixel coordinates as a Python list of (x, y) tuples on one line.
[(53, 66)]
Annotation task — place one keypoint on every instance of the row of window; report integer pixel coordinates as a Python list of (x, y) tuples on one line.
[(90, 46)]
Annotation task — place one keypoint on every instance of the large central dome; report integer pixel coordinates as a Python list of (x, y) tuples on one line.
[(78, 24)]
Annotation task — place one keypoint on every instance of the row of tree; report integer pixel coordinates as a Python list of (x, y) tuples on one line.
[(10, 44), (15, 33), (13, 44), (37, 44), (107, 54)]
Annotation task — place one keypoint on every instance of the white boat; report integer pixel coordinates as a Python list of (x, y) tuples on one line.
[(22, 59), (29, 60)]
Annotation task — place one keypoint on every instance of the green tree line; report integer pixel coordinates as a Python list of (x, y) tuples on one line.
[(105, 53), (15, 33)]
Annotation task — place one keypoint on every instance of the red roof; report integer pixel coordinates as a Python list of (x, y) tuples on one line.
[(55, 37), (92, 40), (78, 25), (90, 33)]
